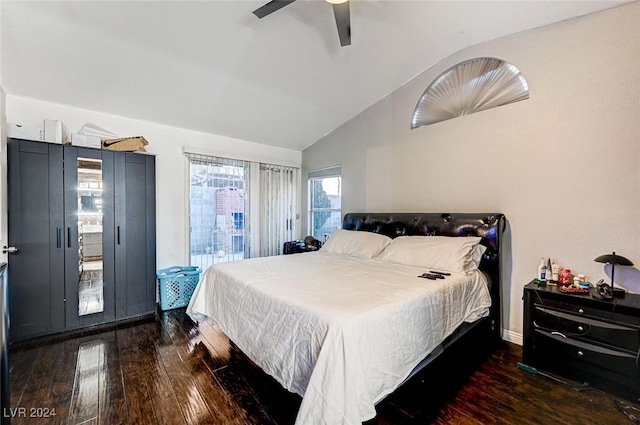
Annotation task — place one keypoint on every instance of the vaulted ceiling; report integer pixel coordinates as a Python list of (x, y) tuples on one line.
[(212, 66)]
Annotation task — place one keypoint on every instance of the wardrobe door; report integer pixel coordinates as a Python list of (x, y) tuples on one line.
[(135, 234), (35, 209), (89, 289)]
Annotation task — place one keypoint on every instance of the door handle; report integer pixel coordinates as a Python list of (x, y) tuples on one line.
[(68, 237), (118, 235), (58, 237), (9, 249)]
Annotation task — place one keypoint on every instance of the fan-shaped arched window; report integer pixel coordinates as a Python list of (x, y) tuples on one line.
[(470, 86)]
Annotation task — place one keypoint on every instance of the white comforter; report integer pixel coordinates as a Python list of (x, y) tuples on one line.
[(343, 332)]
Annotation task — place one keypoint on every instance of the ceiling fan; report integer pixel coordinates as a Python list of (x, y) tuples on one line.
[(340, 11)]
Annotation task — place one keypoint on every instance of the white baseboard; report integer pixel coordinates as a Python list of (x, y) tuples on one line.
[(510, 336)]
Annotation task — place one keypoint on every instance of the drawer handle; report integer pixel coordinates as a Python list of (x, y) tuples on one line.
[(580, 328), (559, 334), (581, 311), (580, 353)]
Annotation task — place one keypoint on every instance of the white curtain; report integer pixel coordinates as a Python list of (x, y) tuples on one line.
[(278, 203)]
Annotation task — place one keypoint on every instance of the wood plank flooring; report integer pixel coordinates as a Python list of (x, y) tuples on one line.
[(168, 370)]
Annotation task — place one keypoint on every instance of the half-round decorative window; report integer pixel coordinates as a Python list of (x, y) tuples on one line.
[(470, 86)]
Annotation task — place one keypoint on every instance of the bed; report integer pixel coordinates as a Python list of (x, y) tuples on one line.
[(346, 325)]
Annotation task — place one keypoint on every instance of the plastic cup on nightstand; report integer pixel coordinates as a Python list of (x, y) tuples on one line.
[(565, 277)]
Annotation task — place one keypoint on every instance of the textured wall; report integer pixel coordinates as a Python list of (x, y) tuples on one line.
[(563, 166)]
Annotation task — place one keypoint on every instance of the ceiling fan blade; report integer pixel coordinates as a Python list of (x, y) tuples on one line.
[(271, 7), (343, 22)]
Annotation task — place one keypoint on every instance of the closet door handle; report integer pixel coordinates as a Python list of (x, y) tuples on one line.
[(118, 235), (68, 237), (58, 237)]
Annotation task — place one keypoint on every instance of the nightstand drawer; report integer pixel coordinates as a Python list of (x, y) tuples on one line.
[(587, 311), (617, 361), (586, 328)]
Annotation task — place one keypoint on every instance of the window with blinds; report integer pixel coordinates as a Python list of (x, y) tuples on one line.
[(325, 202)]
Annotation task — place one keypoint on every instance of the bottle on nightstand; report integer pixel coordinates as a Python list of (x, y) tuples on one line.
[(542, 270), (555, 272)]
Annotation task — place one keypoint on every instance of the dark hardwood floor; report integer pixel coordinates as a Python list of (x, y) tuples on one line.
[(168, 370)]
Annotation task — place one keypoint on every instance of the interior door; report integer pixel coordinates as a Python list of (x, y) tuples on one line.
[(35, 216)]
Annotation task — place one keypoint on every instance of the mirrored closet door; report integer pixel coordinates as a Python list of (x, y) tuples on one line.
[(90, 266), (88, 216)]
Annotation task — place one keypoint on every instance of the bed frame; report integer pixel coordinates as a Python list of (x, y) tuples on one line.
[(489, 226)]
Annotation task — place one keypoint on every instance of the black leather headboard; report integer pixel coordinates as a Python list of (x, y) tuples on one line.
[(489, 226)]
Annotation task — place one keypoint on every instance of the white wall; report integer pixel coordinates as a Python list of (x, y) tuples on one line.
[(166, 143), (563, 166)]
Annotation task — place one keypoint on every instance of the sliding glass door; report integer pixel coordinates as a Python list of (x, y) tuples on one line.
[(240, 209), (218, 210)]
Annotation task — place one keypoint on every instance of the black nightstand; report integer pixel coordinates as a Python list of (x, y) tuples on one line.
[(297, 247), (584, 339)]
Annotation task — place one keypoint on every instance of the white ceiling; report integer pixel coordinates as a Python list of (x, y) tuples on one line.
[(212, 66)]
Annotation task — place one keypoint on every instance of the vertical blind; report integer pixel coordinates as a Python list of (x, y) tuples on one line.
[(278, 205)]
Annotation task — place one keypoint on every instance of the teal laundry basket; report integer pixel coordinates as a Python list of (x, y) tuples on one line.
[(176, 285)]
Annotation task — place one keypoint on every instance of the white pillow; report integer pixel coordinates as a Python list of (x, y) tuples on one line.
[(476, 257), (356, 244), (440, 253)]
